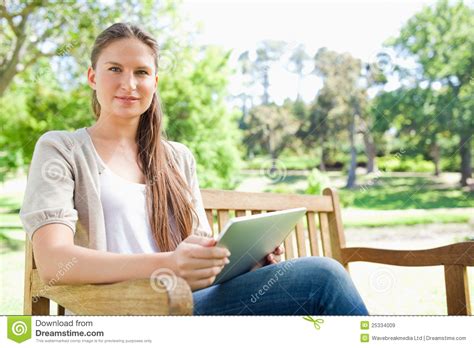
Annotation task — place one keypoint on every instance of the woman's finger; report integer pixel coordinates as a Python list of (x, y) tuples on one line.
[(279, 250), (207, 263)]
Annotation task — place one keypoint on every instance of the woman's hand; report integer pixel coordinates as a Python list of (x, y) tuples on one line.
[(198, 261), (275, 256), (270, 259)]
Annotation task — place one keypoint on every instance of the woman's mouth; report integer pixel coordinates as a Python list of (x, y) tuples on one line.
[(127, 100)]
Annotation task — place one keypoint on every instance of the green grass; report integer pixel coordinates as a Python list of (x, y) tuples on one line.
[(389, 193), (406, 193), (10, 204), (10, 221), (11, 282), (411, 220), (8, 244)]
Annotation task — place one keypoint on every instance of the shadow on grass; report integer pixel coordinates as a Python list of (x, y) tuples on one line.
[(290, 179)]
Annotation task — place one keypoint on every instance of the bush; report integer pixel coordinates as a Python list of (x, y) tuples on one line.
[(403, 164), (317, 181), (450, 164), (281, 188)]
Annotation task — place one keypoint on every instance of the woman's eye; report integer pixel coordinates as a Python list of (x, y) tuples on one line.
[(140, 72)]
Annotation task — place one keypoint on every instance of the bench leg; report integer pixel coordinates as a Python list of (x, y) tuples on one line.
[(457, 290)]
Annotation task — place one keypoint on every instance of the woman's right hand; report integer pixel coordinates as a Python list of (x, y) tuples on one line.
[(198, 261)]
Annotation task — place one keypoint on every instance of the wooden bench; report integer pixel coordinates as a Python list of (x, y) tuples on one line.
[(320, 234)]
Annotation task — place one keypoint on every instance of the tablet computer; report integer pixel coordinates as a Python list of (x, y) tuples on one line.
[(250, 238)]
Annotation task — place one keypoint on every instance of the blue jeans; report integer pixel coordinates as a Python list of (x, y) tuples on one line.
[(303, 286)]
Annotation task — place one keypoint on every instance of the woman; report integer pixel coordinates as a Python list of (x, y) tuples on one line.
[(124, 203)]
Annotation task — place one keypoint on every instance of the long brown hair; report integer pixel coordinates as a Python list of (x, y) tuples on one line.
[(168, 195)]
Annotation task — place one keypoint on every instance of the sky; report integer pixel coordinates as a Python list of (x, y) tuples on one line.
[(357, 27)]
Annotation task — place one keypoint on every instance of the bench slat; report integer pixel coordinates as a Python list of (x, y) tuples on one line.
[(336, 229), (239, 213), (325, 235), (210, 219), (312, 233), (222, 218), (300, 239), (289, 250)]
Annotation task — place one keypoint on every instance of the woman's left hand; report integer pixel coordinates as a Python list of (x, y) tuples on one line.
[(275, 256)]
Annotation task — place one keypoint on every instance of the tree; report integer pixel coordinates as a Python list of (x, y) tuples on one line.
[(341, 74), (298, 64), (247, 73), (441, 40), (268, 52), (321, 122), (272, 128), (31, 30), (414, 113), (374, 78), (196, 115)]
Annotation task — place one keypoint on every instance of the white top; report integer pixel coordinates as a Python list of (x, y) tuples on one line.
[(127, 225), (126, 219)]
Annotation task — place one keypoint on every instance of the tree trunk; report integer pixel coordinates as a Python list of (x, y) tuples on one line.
[(9, 67), (435, 153), (243, 121), (465, 152), (324, 157), (266, 85), (370, 151), (351, 179)]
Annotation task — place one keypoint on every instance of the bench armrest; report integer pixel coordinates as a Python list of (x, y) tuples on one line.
[(132, 297), (453, 254)]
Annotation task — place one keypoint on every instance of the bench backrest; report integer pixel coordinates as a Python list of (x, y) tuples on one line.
[(319, 233)]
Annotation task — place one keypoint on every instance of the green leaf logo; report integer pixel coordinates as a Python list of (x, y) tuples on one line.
[(19, 328), (316, 322)]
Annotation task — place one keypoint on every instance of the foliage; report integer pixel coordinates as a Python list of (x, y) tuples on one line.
[(317, 181)]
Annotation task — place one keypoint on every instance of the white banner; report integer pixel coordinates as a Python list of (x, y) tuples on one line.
[(235, 331)]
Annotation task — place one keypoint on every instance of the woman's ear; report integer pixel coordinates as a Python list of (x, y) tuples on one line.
[(156, 81), (91, 77)]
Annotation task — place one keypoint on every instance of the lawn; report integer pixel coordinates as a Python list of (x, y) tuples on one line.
[(407, 193)]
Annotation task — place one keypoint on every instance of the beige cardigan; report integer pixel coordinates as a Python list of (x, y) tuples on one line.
[(63, 187)]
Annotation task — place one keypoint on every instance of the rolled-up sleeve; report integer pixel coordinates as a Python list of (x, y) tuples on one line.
[(49, 195), (203, 228)]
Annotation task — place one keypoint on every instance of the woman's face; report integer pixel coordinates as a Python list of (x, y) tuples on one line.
[(124, 78)]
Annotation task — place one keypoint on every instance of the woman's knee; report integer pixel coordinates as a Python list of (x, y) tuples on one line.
[(321, 266)]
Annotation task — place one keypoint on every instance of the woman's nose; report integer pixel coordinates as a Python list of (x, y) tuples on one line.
[(129, 81)]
